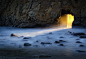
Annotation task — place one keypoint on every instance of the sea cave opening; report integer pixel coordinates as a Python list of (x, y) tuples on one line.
[(66, 19)]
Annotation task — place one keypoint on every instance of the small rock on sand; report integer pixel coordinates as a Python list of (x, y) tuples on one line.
[(61, 45), (57, 42), (46, 43), (13, 34), (80, 51), (78, 42), (27, 38), (27, 44), (81, 45)]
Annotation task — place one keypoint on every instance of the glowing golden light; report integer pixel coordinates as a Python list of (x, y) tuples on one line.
[(70, 19), (66, 20)]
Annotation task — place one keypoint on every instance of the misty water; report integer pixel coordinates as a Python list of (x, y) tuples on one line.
[(43, 35)]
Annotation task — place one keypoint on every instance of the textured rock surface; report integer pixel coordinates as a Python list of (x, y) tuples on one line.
[(31, 13)]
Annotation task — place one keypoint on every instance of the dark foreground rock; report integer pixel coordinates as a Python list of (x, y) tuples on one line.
[(46, 43), (61, 37), (40, 56), (13, 35), (80, 51), (62, 41), (78, 34), (61, 45), (81, 45), (50, 33), (57, 42), (44, 56), (27, 38), (78, 42), (83, 36), (27, 44)]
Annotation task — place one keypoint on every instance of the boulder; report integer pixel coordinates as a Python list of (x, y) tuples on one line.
[(83, 36), (61, 45), (46, 43), (81, 45), (78, 42), (61, 37), (57, 42), (44, 56), (27, 44), (50, 33), (80, 51), (62, 41), (27, 38), (14, 35), (78, 34)]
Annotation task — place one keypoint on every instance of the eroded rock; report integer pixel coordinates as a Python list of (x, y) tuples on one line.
[(46, 43), (57, 42), (27, 38), (14, 35), (78, 42), (27, 44)]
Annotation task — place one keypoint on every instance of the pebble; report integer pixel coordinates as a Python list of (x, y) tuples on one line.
[(27, 44), (57, 42), (46, 43), (13, 34), (81, 45), (61, 45), (61, 37), (78, 42), (27, 38), (80, 51)]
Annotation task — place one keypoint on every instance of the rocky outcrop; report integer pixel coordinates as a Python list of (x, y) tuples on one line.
[(31, 13)]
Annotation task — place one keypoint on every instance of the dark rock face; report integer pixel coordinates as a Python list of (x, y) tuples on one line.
[(30, 13)]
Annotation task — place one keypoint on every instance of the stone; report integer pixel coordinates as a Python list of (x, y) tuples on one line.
[(81, 45), (50, 33), (61, 37), (61, 45), (44, 56), (77, 39), (69, 31), (37, 41), (78, 42), (57, 42), (27, 38), (13, 35), (27, 44), (78, 34), (62, 41), (46, 43), (80, 51), (36, 46), (83, 36), (40, 56)]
